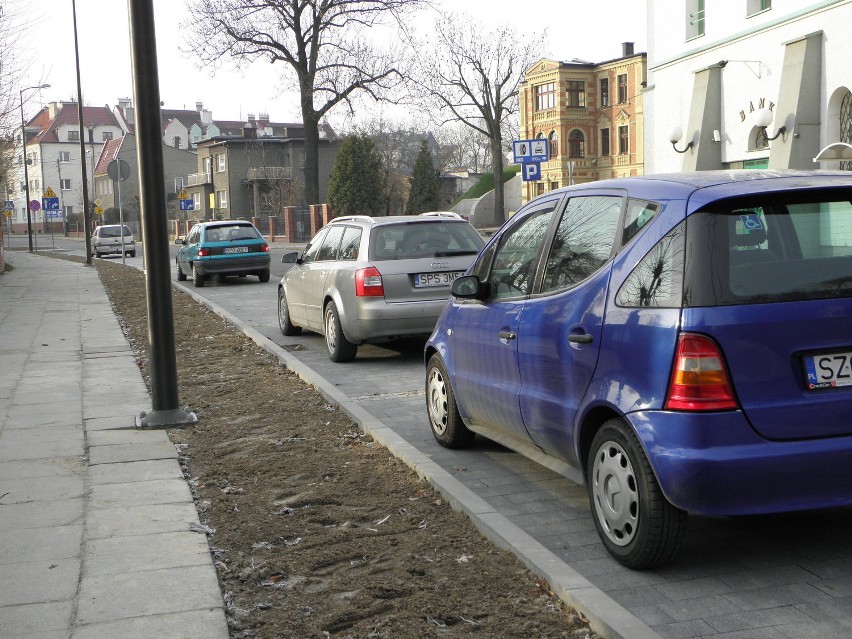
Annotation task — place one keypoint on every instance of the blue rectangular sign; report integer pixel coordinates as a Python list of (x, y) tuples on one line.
[(531, 171), (186, 205), (50, 203), (53, 214), (9, 205), (536, 150)]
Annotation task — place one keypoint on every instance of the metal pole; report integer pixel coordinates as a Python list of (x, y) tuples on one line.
[(120, 214), (87, 214), (26, 173), (152, 192)]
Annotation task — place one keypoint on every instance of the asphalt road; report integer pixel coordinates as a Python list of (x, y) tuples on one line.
[(780, 576)]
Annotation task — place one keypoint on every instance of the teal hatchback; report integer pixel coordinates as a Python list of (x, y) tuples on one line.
[(229, 247)]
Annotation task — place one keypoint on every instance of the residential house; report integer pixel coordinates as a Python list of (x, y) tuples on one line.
[(54, 158), (591, 115)]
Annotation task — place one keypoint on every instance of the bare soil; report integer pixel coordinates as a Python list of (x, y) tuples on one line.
[(316, 530)]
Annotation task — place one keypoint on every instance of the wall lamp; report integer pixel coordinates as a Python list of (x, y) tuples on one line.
[(675, 136), (763, 119)]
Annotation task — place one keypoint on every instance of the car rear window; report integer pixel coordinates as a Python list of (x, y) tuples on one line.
[(113, 231), (424, 239), (231, 232), (773, 248)]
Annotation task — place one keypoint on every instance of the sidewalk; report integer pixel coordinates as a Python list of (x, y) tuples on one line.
[(94, 514)]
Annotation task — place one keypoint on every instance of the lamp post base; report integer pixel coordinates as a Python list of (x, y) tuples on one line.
[(178, 417)]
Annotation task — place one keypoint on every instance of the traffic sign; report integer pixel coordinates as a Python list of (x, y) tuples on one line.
[(35, 205), (8, 213), (536, 150), (182, 195), (99, 210), (531, 171), (9, 205), (49, 193), (187, 205), (50, 203), (118, 170), (53, 214)]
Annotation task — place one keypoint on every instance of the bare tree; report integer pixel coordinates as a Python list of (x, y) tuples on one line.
[(324, 42), (473, 76)]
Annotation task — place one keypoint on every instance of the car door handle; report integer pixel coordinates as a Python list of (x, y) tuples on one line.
[(583, 338), (507, 335)]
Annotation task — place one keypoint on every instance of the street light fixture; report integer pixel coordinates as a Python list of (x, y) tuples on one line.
[(26, 173)]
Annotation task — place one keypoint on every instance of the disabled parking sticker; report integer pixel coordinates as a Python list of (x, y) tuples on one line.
[(752, 222)]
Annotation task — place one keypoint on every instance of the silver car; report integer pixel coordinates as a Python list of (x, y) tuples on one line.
[(113, 238), (363, 279)]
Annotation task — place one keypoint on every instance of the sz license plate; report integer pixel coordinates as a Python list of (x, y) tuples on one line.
[(235, 249), (422, 280), (828, 370)]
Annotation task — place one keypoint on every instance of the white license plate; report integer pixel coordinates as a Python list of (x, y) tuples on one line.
[(235, 249), (422, 280), (828, 370)]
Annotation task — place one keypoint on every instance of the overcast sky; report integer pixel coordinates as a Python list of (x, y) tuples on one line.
[(590, 31)]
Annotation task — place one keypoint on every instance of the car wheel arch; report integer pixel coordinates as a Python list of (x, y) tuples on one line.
[(589, 425), (342, 313)]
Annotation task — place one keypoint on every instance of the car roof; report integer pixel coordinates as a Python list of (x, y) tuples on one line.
[(398, 219), (225, 223)]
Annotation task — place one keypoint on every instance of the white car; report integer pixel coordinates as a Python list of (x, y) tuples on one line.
[(109, 239)]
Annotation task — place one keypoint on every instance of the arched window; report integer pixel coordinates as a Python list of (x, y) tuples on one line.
[(554, 144), (576, 144), (846, 127), (757, 139)]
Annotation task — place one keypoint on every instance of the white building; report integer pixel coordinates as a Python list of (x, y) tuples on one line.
[(716, 67)]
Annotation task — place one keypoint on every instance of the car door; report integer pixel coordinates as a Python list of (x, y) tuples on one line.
[(317, 273), (185, 252), (299, 294), (559, 334), (484, 343)]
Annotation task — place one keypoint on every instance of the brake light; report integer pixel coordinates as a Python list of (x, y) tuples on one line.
[(700, 379), (203, 252), (264, 248), (368, 283)]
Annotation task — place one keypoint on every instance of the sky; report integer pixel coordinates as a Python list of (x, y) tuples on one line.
[(581, 29)]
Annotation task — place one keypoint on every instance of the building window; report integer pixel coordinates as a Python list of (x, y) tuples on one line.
[(33, 158), (758, 6), (208, 163), (694, 19), (196, 201), (623, 140), (220, 162), (20, 160), (73, 136), (545, 96), (221, 199), (106, 136), (554, 144), (604, 92), (65, 185), (622, 88), (177, 142), (554, 186), (605, 142), (576, 144), (67, 211), (576, 93), (65, 157), (539, 188), (846, 127)]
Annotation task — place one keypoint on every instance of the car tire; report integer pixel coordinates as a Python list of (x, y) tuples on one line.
[(181, 276), (263, 276), (340, 349), (132, 253), (197, 278), (444, 418), (284, 323), (637, 524)]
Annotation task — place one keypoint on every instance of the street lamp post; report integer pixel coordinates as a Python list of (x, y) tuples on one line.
[(26, 173)]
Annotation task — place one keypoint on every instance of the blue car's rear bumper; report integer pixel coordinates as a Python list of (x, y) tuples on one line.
[(715, 464)]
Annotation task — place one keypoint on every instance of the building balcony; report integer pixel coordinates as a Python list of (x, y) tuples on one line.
[(270, 173), (197, 179)]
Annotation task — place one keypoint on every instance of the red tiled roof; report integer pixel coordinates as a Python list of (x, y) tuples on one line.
[(108, 154), (68, 114)]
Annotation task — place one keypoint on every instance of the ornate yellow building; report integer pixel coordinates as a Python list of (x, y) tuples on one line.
[(592, 115)]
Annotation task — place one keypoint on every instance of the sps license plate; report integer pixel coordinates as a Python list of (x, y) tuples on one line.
[(422, 280), (235, 249)]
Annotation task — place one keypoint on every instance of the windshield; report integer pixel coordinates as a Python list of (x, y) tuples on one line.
[(424, 239)]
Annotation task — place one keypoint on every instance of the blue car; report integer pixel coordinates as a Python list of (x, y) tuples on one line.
[(679, 343), (228, 247)]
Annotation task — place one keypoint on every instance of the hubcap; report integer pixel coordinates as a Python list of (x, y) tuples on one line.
[(330, 331), (282, 312), (615, 493), (436, 399)]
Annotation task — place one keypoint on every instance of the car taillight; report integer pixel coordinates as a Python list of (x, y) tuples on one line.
[(264, 248), (368, 283), (203, 252), (700, 380)]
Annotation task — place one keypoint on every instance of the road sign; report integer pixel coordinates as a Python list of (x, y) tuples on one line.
[(187, 205), (536, 150), (50, 203), (531, 171), (98, 202), (118, 170), (49, 193), (53, 214), (182, 195), (9, 205), (35, 205), (99, 210), (8, 213)]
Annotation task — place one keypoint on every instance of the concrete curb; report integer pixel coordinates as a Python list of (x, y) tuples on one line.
[(606, 617)]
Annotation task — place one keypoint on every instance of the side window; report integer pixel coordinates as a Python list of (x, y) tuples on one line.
[(657, 280), (350, 243), (193, 236), (328, 250), (312, 249), (513, 267), (639, 213), (583, 241)]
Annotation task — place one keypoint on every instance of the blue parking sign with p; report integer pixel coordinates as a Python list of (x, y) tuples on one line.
[(531, 171)]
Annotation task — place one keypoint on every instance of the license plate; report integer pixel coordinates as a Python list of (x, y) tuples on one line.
[(235, 249), (422, 280), (828, 370)]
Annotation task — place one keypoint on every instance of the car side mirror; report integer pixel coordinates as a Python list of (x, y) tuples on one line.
[(290, 258), (467, 287), (180, 240)]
